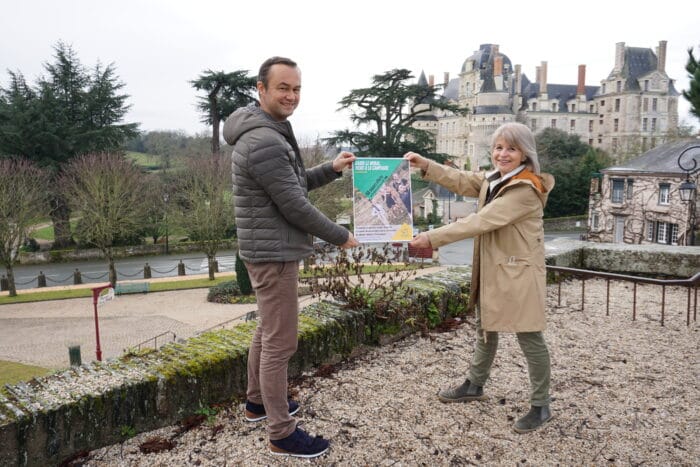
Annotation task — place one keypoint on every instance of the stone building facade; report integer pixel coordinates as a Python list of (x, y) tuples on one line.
[(634, 108), (639, 202)]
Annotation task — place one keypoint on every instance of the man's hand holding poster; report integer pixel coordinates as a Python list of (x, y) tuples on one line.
[(382, 199)]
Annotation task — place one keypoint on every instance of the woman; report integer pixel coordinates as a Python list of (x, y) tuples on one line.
[(508, 273)]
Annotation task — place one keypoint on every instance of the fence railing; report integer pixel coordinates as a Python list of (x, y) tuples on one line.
[(691, 284), (77, 277)]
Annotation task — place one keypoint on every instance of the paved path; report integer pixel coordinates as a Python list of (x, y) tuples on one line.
[(39, 333)]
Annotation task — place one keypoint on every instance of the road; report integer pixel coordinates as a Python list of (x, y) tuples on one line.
[(94, 271)]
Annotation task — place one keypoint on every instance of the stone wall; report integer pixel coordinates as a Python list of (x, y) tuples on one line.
[(649, 260), (58, 256)]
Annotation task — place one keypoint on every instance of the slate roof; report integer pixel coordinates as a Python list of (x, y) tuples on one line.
[(561, 92), (663, 158), (638, 62)]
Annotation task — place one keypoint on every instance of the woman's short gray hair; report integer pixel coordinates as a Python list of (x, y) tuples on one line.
[(519, 136)]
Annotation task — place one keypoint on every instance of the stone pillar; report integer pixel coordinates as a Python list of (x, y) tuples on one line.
[(77, 277), (147, 271), (181, 268), (41, 279)]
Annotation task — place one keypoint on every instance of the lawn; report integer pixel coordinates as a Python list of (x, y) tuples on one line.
[(11, 372)]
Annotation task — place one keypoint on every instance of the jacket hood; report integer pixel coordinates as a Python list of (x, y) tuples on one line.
[(248, 118), (542, 183)]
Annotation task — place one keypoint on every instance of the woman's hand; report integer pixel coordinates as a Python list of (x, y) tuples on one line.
[(416, 160), (421, 241)]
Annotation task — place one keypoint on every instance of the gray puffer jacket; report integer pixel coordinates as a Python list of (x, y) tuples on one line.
[(274, 218)]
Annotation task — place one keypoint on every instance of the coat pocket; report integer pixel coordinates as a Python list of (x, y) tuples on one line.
[(513, 278)]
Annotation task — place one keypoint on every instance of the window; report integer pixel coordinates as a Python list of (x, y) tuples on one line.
[(594, 221), (650, 231), (534, 106), (590, 125), (590, 141), (630, 188), (664, 190), (644, 124), (662, 232), (618, 86), (554, 123), (602, 91), (595, 185), (654, 104), (618, 190), (602, 103), (646, 84), (573, 107), (616, 124), (645, 104), (617, 105), (614, 144), (572, 124), (554, 107), (592, 108), (653, 124), (674, 234)]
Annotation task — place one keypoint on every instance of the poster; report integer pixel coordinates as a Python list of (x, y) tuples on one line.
[(382, 199)]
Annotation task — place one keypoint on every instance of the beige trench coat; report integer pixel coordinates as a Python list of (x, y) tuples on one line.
[(508, 269)]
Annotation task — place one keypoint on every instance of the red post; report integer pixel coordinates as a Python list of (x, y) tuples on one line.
[(95, 296)]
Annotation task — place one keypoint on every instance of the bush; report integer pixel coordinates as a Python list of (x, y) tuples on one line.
[(242, 276), (224, 292)]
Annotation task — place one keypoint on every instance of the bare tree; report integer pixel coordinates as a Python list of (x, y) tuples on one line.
[(107, 191), (331, 199), (204, 203), (23, 202)]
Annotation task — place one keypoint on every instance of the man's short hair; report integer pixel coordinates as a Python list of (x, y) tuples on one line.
[(267, 64)]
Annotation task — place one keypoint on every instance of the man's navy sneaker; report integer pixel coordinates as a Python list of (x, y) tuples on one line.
[(256, 412), (299, 444)]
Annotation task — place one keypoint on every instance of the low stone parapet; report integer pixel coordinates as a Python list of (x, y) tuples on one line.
[(46, 420)]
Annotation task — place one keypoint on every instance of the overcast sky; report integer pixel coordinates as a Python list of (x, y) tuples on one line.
[(158, 46)]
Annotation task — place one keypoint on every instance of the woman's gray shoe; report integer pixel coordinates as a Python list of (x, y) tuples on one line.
[(535, 418), (465, 392)]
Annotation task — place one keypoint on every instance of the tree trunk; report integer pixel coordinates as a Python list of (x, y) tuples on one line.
[(112, 272), (211, 259), (215, 123), (11, 280), (60, 216)]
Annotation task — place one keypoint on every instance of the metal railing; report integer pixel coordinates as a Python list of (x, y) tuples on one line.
[(691, 284), (155, 340)]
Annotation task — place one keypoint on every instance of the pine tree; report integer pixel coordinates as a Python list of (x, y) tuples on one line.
[(693, 92)]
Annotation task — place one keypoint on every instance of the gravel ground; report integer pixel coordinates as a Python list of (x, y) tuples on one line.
[(624, 392)]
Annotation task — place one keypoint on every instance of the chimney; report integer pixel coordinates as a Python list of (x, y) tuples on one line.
[(431, 80), (543, 78), (517, 80), (661, 57), (498, 65), (581, 88), (619, 56), (447, 78)]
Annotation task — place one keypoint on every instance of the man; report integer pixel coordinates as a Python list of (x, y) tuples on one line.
[(275, 222)]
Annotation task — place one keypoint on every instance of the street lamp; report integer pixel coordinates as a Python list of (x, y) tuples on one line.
[(688, 189)]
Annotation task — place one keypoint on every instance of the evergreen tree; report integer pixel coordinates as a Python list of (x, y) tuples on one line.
[(389, 108), (572, 163), (69, 112), (693, 92), (242, 277), (225, 92)]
